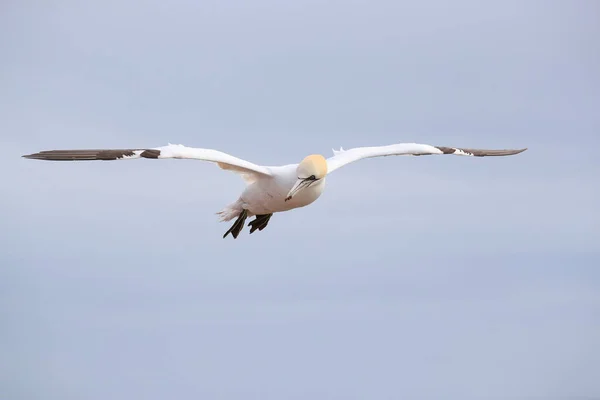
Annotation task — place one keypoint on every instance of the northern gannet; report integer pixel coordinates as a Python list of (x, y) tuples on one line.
[(268, 189)]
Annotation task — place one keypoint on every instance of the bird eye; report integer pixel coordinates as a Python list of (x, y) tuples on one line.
[(312, 177)]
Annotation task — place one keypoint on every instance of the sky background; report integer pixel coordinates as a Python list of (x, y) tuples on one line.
[(411, 277)]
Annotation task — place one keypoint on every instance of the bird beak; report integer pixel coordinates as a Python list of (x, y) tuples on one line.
[(298, 186)]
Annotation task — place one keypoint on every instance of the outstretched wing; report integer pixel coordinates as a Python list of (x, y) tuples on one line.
[(246, 169), (343, 157)]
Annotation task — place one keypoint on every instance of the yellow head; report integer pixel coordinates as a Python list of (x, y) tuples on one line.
[(312, 165), (310, 171)]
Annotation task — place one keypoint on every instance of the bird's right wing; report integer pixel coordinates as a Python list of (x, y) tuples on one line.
[(343, 157), (246, 169)]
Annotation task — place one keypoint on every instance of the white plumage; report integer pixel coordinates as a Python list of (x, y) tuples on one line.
[(269, 189)]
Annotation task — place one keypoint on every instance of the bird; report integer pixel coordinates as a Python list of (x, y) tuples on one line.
[(268, 189)]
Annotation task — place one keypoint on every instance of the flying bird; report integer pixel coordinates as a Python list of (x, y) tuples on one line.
[(272, 189)]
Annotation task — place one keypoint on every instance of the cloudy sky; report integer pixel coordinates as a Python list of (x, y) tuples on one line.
[(422, 278)]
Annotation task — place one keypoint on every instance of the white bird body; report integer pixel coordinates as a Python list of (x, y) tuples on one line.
[(269, 190), (266, 195)]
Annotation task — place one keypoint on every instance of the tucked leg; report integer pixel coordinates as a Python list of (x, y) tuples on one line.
[(238, 225), (260, 222)]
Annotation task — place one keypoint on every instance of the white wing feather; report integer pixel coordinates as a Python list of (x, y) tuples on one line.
[(342, 157), (246, 169)]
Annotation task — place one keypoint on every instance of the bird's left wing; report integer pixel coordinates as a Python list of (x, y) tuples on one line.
[(246, 169), (343, 157)]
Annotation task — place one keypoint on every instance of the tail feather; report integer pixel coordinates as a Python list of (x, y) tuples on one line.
[(230, 212)]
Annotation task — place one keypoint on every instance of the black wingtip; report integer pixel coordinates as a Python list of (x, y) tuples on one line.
[(35, 156), (518, 151)]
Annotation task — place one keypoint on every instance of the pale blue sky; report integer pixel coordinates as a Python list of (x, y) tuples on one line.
[(432, 277)]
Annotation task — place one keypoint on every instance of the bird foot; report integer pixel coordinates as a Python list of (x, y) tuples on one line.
[(260, 222), (238, 225)]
